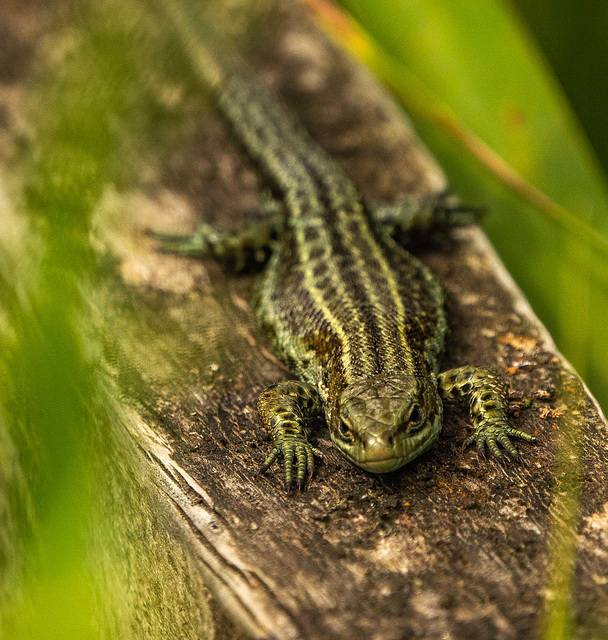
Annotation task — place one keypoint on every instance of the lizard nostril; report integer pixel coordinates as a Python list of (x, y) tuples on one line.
[(390, 440)]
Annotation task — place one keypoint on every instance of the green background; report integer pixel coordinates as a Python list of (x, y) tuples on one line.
[(573, 36)]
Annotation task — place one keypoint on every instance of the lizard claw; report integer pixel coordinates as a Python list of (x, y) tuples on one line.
[(297, 452), (187, 244), (492, 433), (269, 460)]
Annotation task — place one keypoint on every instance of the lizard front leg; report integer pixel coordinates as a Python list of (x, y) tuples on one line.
[(286, 409), (486, 393)]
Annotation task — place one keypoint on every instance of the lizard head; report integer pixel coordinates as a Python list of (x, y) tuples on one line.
[(387, 420)]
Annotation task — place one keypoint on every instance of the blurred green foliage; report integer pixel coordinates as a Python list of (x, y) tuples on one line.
[(71, 491), (53, 406), (573, 37)]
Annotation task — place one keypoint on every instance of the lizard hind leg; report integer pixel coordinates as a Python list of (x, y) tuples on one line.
[(486, 393), (286, 409), (239, 249), (195, 244), (423, 212)]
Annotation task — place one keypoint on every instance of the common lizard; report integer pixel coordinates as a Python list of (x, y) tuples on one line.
[(357, 318)]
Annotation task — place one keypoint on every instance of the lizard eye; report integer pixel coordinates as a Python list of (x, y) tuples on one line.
[(346, 432), (415, 420), (414, 414)]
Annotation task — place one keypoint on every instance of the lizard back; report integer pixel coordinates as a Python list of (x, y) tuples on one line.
[(340, 299)]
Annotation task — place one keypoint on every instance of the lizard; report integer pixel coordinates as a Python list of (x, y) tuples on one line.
[(357, 319)]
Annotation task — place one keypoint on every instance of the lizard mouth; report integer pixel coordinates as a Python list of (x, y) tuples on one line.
[(384, 459), (377, 459), (381, 466)]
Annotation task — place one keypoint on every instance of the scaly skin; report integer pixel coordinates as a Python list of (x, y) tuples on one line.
[(356, 318), (286, 409)]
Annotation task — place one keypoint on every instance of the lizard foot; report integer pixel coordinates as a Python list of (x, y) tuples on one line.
[(460, 215), (296, 451), (187, 244), (497, 432)]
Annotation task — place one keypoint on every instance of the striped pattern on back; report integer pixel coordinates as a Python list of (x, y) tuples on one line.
[(341, 300)]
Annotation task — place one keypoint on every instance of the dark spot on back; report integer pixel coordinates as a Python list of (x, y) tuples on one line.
[(353, 227), (311, 234), (320, 270), (316, 253)]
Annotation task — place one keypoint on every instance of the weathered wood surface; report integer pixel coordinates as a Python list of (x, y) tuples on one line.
[(452, 546)]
